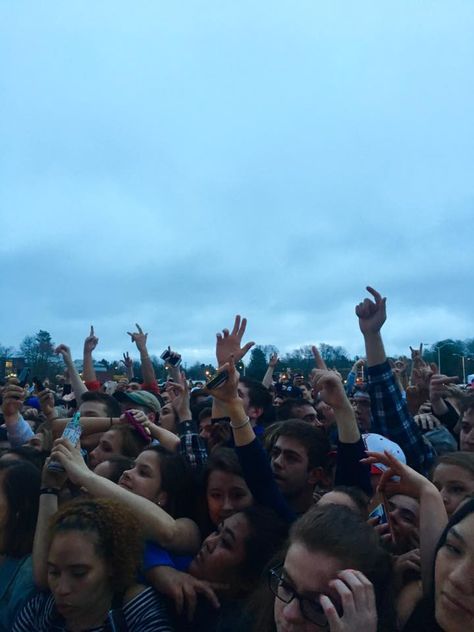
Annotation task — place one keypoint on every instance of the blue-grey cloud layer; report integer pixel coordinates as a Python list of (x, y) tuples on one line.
[(174, 165)]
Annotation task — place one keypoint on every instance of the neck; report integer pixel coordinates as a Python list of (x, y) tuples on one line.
[(95, 615), (302, 502)]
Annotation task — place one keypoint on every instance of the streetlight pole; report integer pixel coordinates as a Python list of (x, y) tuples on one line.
[(438, 349), (463, 361)]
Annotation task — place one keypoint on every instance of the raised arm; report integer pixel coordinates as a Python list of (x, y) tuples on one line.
[(88, 371), (390, 415), (128, 363), (140, 339), (179, 536), (268, 377), (77, 385), (18, 430)]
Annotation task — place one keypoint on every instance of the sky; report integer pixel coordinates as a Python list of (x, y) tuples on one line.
[(174, 164)]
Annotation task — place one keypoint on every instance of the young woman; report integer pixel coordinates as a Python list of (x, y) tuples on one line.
[(335, 575), (225, 487), (450, 605), (226, 570), (19, 492), (454, 477), (93, 555)]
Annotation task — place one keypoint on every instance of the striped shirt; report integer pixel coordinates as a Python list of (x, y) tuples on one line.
[(144, 613)]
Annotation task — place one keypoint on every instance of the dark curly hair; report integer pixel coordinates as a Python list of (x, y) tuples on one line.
[(117, 533)]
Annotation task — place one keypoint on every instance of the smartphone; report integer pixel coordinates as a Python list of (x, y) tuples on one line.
[(380, 513), (174, 359), (218, 380), (23, 377)]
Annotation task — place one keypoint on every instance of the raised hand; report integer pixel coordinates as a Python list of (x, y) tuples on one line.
[(138, 337), (46, 400), (409, 482), (330, 388), (90, 343), (65, 352), (318, 361), (439, 384), (228, 344), (273, 361), (71, 459), (228, 391), (13, 396), (179, 397), (127, 360), (371, 314)]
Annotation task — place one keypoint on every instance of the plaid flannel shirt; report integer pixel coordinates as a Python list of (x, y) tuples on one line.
[(390, 418), (193, 447)]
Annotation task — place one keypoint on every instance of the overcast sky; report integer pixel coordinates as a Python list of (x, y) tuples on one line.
[(176, 163)]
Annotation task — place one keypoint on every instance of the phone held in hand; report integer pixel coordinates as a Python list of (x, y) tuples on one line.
[(171, 358), (23, 377), (379, 513), (72, 432), (218, 380)]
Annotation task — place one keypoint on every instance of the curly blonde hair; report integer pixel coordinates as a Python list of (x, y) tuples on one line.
[(117, 535)]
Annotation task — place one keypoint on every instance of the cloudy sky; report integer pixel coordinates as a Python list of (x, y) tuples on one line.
[(176, 163)]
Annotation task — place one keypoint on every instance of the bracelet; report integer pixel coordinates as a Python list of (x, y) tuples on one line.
[(49, 490), (244, 423)]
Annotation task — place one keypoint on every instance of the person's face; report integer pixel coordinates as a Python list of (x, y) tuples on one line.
[(133, 386), (309, 574), (289, 463), (454, 483), (144, 479), (167, 418), (405, 515), (93, 409), (361, 407), (104, 469), (226, 495), (277, 400), (466, 437), (223, 552), (454, 579), (307, 395), (205, 427), (252, 411), (306, 412), (109, 443), (78, 577)]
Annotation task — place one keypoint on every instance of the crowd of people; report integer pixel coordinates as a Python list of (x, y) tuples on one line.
[(296, 504)]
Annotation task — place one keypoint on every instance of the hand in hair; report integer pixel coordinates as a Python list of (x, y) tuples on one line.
[(358, 603), (228, 344)]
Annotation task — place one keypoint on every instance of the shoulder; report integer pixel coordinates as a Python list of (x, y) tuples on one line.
[(145, 610), (36, 614)]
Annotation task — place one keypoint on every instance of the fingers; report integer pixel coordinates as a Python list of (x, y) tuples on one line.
[(377, 296), (236, 327), (330, 612), (320, 364), (139, 329), (92, 331), (190, 598), (246, 348)]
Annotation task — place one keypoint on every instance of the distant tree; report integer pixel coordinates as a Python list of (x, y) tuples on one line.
[(258, 364), (5, 352), (38, 352)]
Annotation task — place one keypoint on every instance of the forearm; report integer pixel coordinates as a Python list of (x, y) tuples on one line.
[(148, 372), (433, 520), (347, 428), (88, 371), (167, 439), (48, 505), (129, 371), (438, 406), (243, 432), (374, 349), (90, 425), (268, 377), (77, 385)]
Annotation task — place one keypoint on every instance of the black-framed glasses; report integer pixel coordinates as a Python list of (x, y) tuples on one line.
[(311, 609)]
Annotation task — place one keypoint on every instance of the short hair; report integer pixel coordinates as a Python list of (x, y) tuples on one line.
[(111, 404), (358, 497), (132, 442), (466, 403), (260, 397), (28, 454), (21, 484), (118, 465), (313, 439), (285, 410), (117, 531), (222, 460), (460, 459)]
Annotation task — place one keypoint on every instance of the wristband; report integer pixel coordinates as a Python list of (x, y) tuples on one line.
[(49, 490), (244, 423)]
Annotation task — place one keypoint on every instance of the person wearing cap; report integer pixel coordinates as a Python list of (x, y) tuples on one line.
[(140, 400)]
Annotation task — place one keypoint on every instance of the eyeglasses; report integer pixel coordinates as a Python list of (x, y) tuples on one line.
[(311, 609)]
